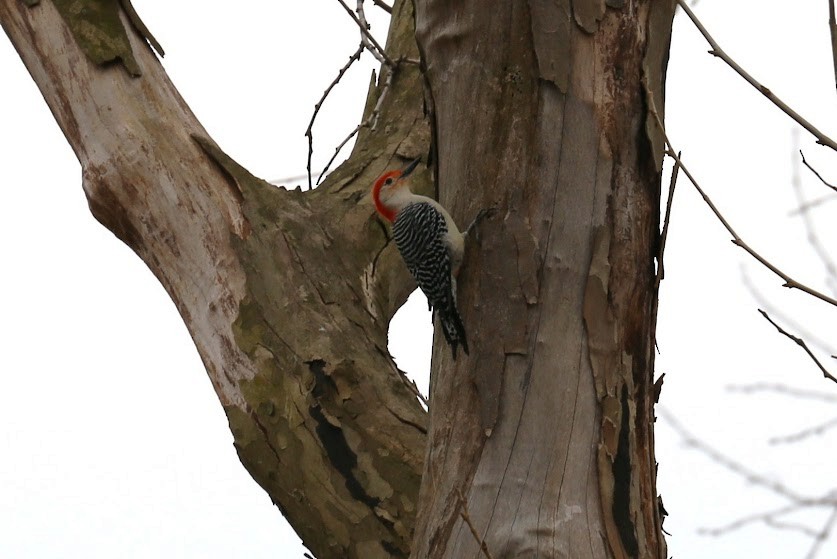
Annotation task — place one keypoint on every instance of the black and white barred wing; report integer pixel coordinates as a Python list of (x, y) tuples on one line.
[(420, 233)]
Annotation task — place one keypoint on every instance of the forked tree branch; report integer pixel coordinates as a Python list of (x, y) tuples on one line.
[(719, 52), (368, 39)]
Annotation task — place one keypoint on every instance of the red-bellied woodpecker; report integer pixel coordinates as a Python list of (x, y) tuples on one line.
[(430, 244)]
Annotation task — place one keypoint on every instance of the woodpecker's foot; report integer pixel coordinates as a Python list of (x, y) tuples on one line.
[(482, 214)]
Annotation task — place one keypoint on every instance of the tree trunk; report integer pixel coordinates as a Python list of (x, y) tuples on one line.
[(547, 430), (536, 108)]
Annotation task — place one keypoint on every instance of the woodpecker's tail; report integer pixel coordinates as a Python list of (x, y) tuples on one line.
[(453, 329)]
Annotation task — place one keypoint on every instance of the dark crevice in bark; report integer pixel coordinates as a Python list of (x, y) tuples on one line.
[(341, 456), (622, 474)]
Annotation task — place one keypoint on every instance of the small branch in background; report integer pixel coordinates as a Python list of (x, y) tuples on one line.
[(832, 28), (719, 458), (829, 185), (719, 52), (664, 234), (463, 512), (822, 536), (817, 430), (813, 204), (782, 389), (801, 343), (366, 37), (790, 283), (769, 518), (309, 132), (383, 5)]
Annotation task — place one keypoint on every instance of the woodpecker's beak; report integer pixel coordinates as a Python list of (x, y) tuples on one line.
[(409, 168)]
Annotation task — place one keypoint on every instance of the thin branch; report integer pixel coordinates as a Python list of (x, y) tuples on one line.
[(782, 389), (309, 132), (805, 433), (664, 234), (801, 343), (463, 512), (337, 150), (829, 185), (719, 52), (810, 228), (769, 518), (366, 37), (731, 465), (383, 5), (762, 302), (823, 535), (371, 122), (738, 241)]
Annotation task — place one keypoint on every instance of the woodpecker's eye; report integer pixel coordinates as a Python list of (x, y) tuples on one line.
[(388, 181)]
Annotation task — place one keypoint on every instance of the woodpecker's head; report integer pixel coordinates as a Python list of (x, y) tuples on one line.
[(385, 192)]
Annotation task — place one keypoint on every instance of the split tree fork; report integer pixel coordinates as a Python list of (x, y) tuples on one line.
[(544, 435)]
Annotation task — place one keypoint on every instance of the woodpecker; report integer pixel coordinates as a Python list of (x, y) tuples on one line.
[(430, 245)]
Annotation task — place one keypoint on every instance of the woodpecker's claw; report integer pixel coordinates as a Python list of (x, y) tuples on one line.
[(482, 214)]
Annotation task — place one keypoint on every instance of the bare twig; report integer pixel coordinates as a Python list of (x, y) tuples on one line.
[(371, 122), (337, 150), (801, 343), (808, 224), (366, 37), (738, 241), (829, 185), (716, 456), (463, 512), (383, 5), (309, 132), (805, 433), (762, 302), (782, 389), (719, 52), (664, 234), (770, 518), (817, 202)]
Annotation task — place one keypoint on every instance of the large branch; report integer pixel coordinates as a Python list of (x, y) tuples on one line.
[(287, 295)]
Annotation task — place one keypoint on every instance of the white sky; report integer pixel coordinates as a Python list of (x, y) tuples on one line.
[(113, 443)]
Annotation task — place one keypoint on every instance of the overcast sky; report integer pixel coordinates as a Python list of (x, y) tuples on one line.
[(112, 442)]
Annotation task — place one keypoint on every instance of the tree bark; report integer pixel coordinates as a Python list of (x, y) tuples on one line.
[(540, 111), (535, 108)]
